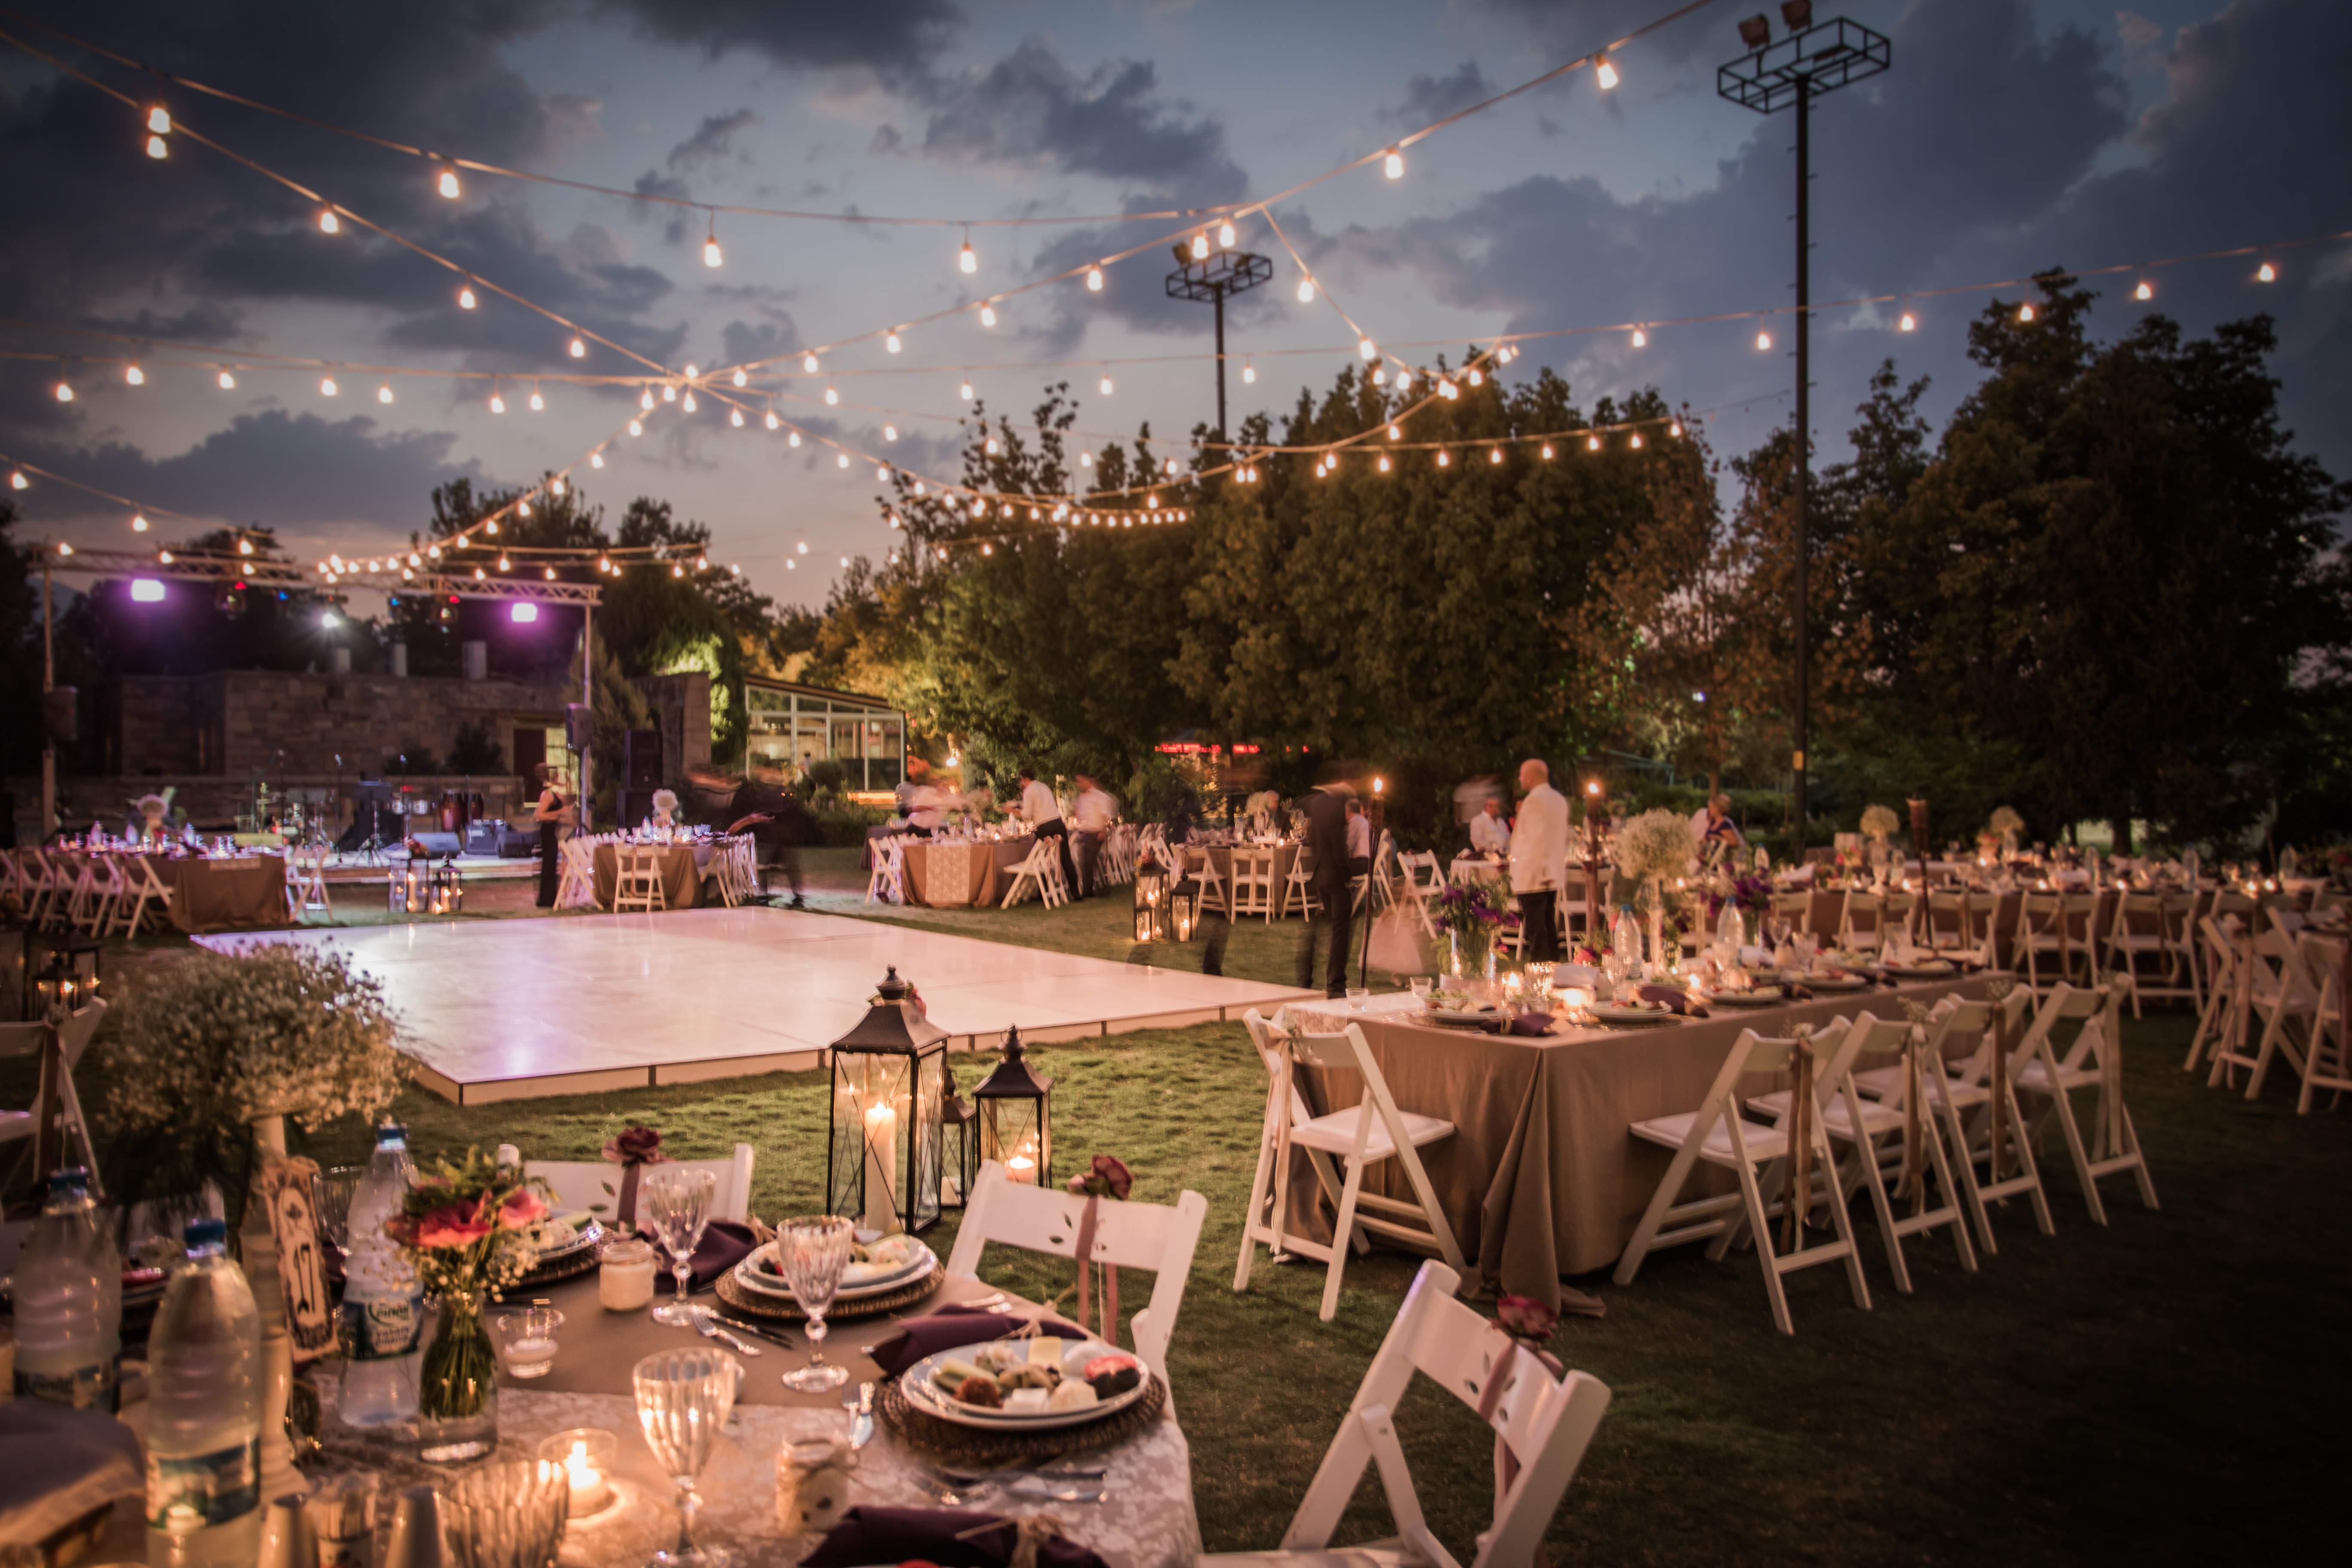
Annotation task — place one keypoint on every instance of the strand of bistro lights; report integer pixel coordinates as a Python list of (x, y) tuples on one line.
[(445, 168)]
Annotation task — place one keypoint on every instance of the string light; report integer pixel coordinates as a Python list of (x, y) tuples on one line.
[(502, 561), (491, 527), (1495, 456), (1592, 443), (831, 396), (1637, 441), (742, 379), (1093, 279), (1226, 234), (711, 255), (636, 428), (2025, 313), (774, 423), (2144, 291), (449, 182), (522, 508), (498, 404), (383, 393), (890, 341), (1366, 350), (1201, 246), (163, 557), (1603, 72), (844, 458), (1395, 164), (808, 363), (579, 348), (159, 120), (550, 573), (1306, 291), (1763, 342), (1106, 384), (138, 522), (1476, 377), (669, 394), (1444, 458), (964, 391), (735, 417), (1909, 323), (1396, 433), (1384, 462), (676, 571), (1249, 372), (688, 404), (966, 259), (890, 432), (988, 315), (65, 391), (793, 438), (555, 486), (326, 387), (596, 459), (538, 404), (2266, 273), (465, 297), (1640, 339), (328, 222), (1675, 428), (17, 481), (645, 400), (245, 547), (1547, 449)]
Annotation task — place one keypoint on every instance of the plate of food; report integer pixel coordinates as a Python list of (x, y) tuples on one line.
[(891, 1263), (1636, 1012), (1834, 980), (563, 1235), (1026, 1385), (1754, 996)]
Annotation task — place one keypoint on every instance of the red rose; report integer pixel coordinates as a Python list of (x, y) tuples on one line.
[(524, 1208), (458, 1224), (1525, 1318), (636, 1146), (1105, 1178)]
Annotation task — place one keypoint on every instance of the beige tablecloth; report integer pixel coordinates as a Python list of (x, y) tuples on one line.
[(681, 872), (1542, 1177), (957, 874), (206, 895)]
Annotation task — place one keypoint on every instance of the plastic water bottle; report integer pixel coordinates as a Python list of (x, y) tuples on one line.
[(69, 1301), (203, 1413), (383, 1305)]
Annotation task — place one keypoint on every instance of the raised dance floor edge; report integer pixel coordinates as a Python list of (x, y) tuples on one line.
[(519, 1009)]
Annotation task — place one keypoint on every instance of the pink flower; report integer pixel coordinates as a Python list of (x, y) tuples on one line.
[(1105, 1178), (636, 1146), (524, 1208), (1525, 1318), (457, 1224)]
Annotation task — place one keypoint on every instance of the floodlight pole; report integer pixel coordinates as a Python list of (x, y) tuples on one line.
[(1212, 279), (1814, 57)]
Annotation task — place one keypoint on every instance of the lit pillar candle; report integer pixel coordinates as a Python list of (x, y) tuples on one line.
[(881, 1143), (1023, 1166)]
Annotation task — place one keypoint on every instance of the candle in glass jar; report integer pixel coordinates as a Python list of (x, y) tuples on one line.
[(1022, 1167), (625, 1274), (881, 1143), (586, 1454)]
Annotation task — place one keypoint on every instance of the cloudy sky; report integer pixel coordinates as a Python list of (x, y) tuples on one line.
[(2009, 137)]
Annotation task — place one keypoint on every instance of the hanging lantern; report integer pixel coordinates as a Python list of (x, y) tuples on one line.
[(1013, 1103), (889, 1092), (448, 896), (1151, 903), (959, 1146), (67, 983)]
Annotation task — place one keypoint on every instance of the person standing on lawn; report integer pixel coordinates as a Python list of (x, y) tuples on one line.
[(1327, 842), (1539, 860), (1043, 813)]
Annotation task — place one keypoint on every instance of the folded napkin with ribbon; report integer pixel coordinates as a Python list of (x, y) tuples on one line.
[(1531, 1024), (953, 1325), (952, 1538), (1676, 999), (724, 1245)]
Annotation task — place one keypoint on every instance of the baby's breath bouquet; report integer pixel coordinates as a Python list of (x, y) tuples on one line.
[(469, 1230), (1879, 822), (1655, 845)]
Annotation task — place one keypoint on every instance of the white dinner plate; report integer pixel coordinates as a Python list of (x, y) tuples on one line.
[(585, 1233), (1608, 1014), (753, 1277), (932, 1400), (1762, 996), (1458, 1016)]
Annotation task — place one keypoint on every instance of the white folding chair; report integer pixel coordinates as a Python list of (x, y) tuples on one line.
[(1547, 1423), (595, 1185), (1201, 866), (1250, 884), (2138, 933), (2328, 1062), (1942, 922), (1862, 928), (2292, 1008), (2251, 991), (575, 884), (142, 887), (887, 882), (2053, 929), (1040, 873), (306, 877), (2093, 1062), (1131, 1235), (1373, 1129), (1422, 879), (22, 1040), (637, 879), (1716, 1133), (1298, 888)]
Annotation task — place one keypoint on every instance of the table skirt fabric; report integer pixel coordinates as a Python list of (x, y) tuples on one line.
[(957, 873), (1542, 1177), (681, 873), (207, 895)]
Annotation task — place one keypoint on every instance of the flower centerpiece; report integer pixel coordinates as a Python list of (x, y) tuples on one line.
[(1650, 848), (469, 1230), (153, 808), (1470, 913), (665, 809)]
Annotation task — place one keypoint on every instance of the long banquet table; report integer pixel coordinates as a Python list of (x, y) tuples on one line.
[(681, 872), (1147, 1519), (954, 873), (1542, 1177)]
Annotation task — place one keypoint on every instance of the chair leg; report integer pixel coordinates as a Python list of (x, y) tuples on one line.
[(1251, 1216), (1844, 1223), (1762, 1227), (1339, 1236), (1865, 1170), (1940, 1157), (2063, 1107), (1654, 1216)]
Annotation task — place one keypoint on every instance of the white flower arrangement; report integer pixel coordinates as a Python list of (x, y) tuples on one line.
[(2004, 820), (1264, 802), (664, 807), (1654, 844), (1880, 821)]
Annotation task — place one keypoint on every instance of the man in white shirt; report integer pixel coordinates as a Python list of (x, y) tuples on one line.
[(1043, 813), (1092, 815), (1539, 860), (1489, 833)]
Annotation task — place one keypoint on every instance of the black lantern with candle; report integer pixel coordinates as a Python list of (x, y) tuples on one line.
[(67, 978), (1151, 903), (1184, 914), (1013, 1105), (889, 1091), (960, 1126)]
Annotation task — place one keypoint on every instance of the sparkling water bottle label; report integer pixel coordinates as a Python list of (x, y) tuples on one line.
[(91, 1387), (382, 1328), (187, 1493)]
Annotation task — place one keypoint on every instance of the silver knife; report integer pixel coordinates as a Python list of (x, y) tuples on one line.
[(861, 1426)]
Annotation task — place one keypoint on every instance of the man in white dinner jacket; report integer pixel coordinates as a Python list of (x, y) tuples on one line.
[(1539, 860)]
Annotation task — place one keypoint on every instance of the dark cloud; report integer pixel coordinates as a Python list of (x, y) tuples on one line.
[(1569, 29), (890, 38), (315, 480), (743, 341), (1429, 99), (1032, 111)]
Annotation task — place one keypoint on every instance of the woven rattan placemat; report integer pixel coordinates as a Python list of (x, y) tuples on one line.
[(555, 1273), (761, 1304), (971, 1445)]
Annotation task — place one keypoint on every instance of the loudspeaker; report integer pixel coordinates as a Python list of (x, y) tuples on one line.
[(575, 726), (635, 807), (61, 713), (641, 759)]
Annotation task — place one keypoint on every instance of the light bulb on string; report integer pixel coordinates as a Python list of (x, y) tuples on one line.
[(2146, 290), (326, 387), (1477, 377), (1394, 164), (134, 375), (711, 255), (964, 391), (890, 341), (1093, 279), (1249, 372), (1763, 340), (1603, 72), (1675, 428), (735, 417), (138, 522), (1366, 350), (1909, 323), (688, 404), (522, 508), (498, 402), (1201, 246), (1640, 339), (245, 547), (1379, 376), (466, 296), (669, 394), (1306, 291), (1106, 384), (1495, 456), (1396, 433), (645, 400), (538, 404), (159, 120), (2266, 273), (1592, 443), (890, 432), (383, 393), (842, 460), (2024, 313), (550, 573), (579, 348), (774, 423), (636, 427), (988, 315), (17, 481), (1547, 451), (1444, 458), (1384, 462), (967, 260), (1086, 457), (158, 148), (503, 564), (595, 460), (448, 181), (793, 438), (163, 557), (555, 486), (491, 527), (808, 363), (831, 396), (328, 222), (1226, 234), (1635, 441), (65, 391), (742, 378)]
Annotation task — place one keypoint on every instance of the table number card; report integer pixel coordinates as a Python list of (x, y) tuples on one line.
[(286, 1186)]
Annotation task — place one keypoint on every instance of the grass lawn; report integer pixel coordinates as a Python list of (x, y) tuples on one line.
[(2160, 1390)]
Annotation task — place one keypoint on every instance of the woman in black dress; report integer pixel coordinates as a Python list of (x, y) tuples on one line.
[(549, 815)]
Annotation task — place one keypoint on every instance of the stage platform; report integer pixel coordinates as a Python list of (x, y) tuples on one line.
[(516, 1009)]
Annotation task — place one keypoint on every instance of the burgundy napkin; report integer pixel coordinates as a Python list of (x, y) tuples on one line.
[(724, 1245), (1531, 1024), (1676, 998), (952, 1326), (868, 1534)]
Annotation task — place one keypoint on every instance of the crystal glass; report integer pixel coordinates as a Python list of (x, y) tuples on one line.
[(331, 1191), (683, 1400), (811, 1254), (509, 1513), (676, 1205), (526, 1340)]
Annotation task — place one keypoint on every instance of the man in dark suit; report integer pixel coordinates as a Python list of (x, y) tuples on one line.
[(1327, 845)]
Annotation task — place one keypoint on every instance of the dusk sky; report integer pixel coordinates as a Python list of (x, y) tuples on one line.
[(2009, 137)]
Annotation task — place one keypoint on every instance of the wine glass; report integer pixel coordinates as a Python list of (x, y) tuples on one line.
[(811, 1254), (683, 1400), (677, 1204)]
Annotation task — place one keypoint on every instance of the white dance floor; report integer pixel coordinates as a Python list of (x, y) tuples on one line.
[(520, 1008)]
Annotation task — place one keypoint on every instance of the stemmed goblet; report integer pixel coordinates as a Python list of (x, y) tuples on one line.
[(676, 1203), (683, 1400), (812, 1254)]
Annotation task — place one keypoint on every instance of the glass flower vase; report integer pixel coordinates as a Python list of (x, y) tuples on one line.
[(457, 1388)]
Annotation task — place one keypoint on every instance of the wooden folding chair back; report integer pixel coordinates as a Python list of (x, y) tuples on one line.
[(2094, 1060), (2328, 1060), (1250, 888)]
